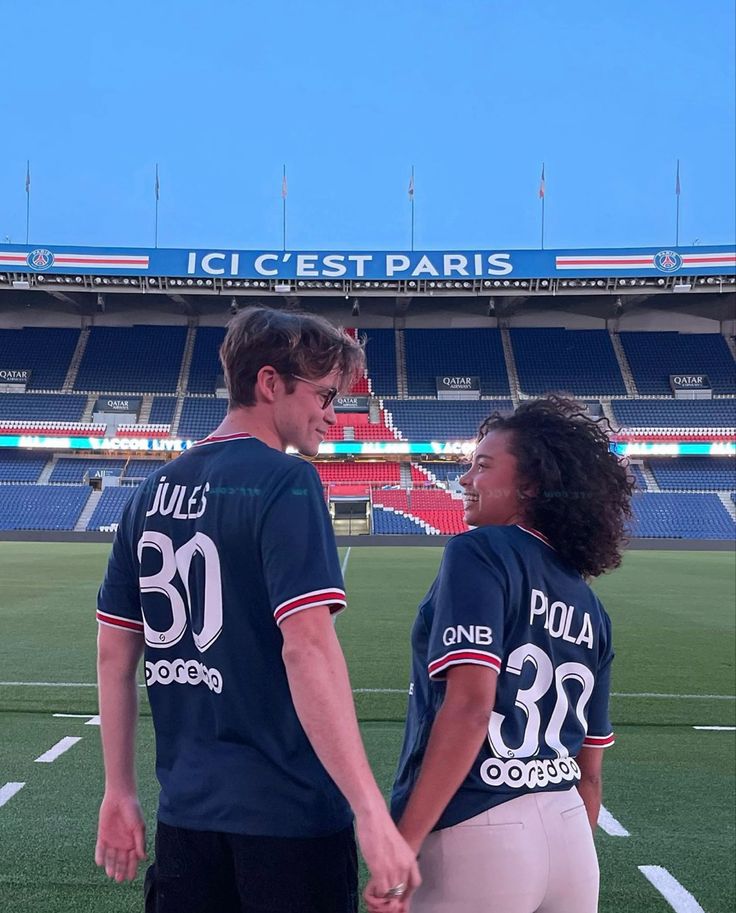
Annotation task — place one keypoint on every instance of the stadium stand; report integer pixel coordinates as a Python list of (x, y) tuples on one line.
[(581, 362), (41, 506), (441, 471), (378, 473), (380, 352), (200, 416), (431, 419), (137, 359), (205, 366), (21, 466), (163, 409), (139, 469), (694, 473), (387, 521), (46, 352), (457, 352), (681, 516), (641, 482), (42, 407), (675, 413), (654, 356), (109, 508), (71, 470)]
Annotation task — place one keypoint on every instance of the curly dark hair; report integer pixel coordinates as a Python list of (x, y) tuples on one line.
[(576, 491)]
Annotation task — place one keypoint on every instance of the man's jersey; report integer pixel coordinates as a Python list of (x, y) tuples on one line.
[(212, 553), (503, 599)]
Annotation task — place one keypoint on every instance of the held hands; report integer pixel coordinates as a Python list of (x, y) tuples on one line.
[(121, 837), (392, 865)]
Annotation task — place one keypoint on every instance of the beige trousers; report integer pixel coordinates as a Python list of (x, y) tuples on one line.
[(533, 854)]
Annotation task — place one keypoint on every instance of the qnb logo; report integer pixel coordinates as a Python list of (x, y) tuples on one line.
[(183, 672), (473, 634), (529, 774)]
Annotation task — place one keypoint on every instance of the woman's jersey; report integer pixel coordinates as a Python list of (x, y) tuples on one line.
[(213, 552), (503, 599)]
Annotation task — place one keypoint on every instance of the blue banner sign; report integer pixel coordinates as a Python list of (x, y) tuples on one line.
[(288, 266), (364, 448)]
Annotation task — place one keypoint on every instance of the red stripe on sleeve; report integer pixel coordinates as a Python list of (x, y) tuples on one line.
[(115, 621), (335, 599), (460, 657), (599, 741)]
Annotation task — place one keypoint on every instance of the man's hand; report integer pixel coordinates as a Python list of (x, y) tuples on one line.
[(391, 863), (121, 837)]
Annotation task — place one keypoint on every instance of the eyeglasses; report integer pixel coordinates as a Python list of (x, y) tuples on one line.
[(327, 394)]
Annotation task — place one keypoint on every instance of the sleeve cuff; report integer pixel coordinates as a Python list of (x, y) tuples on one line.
[(438, 667), (333, 598), (117, 621), (599, 741)]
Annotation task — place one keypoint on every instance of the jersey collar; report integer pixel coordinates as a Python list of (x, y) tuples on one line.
[(218, 439), (536, 534)]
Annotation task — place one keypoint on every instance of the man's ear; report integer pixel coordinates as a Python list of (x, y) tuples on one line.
[(268, 382)]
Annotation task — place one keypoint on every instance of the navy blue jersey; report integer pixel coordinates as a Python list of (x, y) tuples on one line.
[(503, 599), (212, 553)]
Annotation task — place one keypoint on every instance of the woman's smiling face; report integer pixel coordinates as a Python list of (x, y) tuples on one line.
[(491, 485)]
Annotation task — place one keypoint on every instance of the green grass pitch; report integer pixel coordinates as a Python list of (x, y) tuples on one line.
[(670, 785)]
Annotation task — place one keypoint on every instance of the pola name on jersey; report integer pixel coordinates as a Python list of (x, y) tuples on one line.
[(181, 503), (560, 619)]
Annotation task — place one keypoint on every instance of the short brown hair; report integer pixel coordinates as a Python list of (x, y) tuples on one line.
[(292, 343)]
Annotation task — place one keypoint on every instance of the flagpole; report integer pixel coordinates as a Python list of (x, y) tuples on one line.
[(28, 199), (677, 218), (542, 195), (412, 207), (284, 194), (155, 229)]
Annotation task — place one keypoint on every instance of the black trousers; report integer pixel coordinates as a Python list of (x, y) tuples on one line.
[(209, 872)]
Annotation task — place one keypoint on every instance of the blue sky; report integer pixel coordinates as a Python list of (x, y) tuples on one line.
[(476, 95)]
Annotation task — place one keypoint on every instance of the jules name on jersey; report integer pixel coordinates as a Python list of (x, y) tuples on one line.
[(179, 503)]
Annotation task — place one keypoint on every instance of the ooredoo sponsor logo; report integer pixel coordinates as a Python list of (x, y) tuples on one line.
[(183, 672)]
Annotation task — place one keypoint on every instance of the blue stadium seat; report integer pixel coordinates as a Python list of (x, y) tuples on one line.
[(72, 469), (109, 508), (457, 352), (139, 469), (380, 353), (387, 522), (41, 407), (581, 362), (21, 466), (46, 352), (653, 357), (162, 410), (695, 473), (41, 506), (137, 359), (675, 413), (681, 516), (431, 419), (200, 416), (443, 471), (205, 365)]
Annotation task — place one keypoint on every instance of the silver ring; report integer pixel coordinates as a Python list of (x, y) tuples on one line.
[(398, 890)]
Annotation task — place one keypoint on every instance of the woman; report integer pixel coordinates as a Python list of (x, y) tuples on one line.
[(499, 781)]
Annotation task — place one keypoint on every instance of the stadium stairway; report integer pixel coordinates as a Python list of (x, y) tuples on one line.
[(89, 408), (402, 384), (623, 364), (186, 359), (652, 483), (728, 503), (43, 479), (71, 374), (508, 355), (145, 413), (176, 417), (81, 525)]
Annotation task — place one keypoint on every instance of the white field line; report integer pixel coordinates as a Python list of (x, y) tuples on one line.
[(345, 561), (681, 900), (61, 746), (9, 790), (610, 825), (633, 694), (91, 720), (716, 728)]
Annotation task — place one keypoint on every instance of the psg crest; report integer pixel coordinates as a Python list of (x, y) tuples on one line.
[(668, 261), (40, 259)]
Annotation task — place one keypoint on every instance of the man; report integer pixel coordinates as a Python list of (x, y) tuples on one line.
[(224, 575)]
